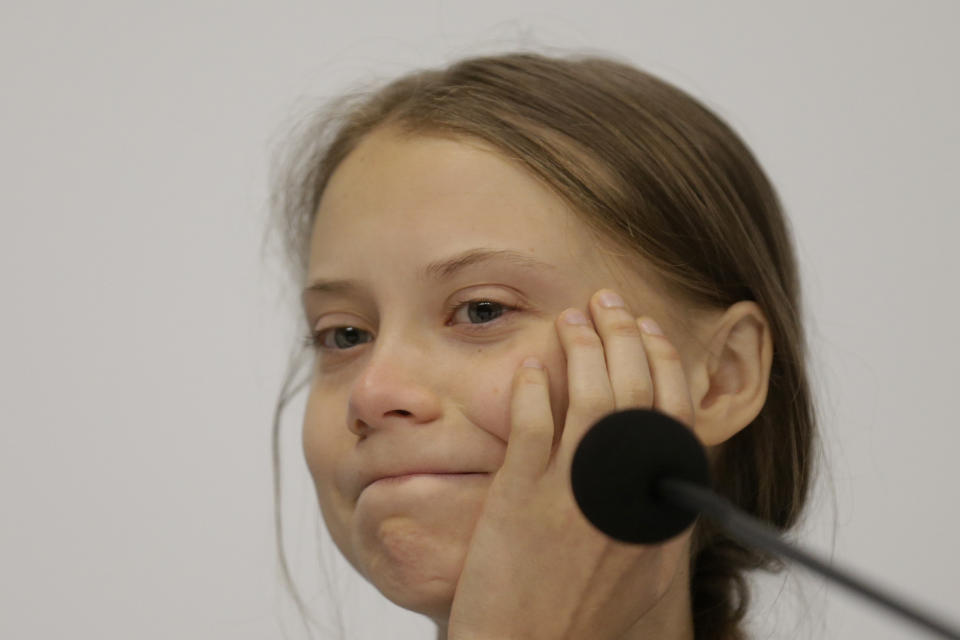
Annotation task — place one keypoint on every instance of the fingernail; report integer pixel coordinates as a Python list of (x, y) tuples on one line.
[(574, 316), (533, 363), (651, 327), (610, 300)]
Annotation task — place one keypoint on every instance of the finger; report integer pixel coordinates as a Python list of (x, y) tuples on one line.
[(531, 423), (670, 392), (624, 350), (588, 383)]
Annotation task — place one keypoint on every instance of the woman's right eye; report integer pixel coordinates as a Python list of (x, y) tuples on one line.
[(337, 338)]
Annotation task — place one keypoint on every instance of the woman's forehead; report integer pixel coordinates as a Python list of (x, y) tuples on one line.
[(436, 193), (388, 172)]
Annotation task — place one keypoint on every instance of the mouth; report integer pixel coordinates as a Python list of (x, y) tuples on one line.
[(443, 476)]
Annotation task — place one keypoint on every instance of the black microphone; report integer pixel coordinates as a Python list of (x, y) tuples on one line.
[(642, 477)]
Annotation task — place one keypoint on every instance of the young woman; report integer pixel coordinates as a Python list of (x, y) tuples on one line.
[(494, 256)]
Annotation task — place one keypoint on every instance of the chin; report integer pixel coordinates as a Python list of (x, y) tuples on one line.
[(413, 567), (413, 552), (432, 598)]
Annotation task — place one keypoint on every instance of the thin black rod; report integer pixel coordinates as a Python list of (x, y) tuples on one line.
[(754, 533)]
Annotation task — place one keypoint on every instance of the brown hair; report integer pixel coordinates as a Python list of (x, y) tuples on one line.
[(655, 172)]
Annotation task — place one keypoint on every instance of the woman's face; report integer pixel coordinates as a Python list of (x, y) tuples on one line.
[(439, 267)]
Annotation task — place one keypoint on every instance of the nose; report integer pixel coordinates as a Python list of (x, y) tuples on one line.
[(392, 390)]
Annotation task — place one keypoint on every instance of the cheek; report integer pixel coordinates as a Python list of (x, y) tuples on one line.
[(488, 396), (491, 386), (323, 446), (323, 442)]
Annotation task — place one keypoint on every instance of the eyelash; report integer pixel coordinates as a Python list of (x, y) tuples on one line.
[(314, 339)]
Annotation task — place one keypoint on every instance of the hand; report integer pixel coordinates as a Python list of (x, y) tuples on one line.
[(536, 568)]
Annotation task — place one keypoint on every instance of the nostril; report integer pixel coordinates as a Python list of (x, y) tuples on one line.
[(359, 428)]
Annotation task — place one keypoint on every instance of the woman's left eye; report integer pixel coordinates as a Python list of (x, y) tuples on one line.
[(479, 312)]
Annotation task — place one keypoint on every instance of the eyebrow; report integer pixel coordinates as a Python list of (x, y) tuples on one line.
[(444, 268)]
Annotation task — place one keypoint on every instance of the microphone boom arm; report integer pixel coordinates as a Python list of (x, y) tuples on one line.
[(753, 533)]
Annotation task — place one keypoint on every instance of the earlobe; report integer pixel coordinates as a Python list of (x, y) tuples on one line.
[(733, 374)]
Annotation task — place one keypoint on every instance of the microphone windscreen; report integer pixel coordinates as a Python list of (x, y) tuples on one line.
[(616, 468)]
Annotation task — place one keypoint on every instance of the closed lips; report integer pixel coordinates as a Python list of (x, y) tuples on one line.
[(415, 472)]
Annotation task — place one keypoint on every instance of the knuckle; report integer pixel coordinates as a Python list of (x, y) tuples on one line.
[(622, 326), (542, 429), (591, 401), (584, 339), (663, 349), (529, 429), (527, 375), (637, 397)]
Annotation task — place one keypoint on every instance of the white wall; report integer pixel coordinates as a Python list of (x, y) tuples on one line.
[(143, 336)]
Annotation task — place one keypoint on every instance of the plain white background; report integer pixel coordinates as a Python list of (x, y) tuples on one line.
[(144, 333)]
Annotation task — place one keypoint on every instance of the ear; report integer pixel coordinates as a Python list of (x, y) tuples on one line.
[(729, 382)]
